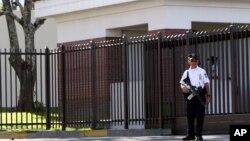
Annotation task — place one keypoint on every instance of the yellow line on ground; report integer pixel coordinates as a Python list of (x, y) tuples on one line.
[(94, 133), (13, 135)]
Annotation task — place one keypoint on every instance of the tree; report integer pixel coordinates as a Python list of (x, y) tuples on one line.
[(25, 68)]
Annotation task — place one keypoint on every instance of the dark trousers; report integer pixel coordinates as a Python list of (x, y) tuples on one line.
[(195, 110)]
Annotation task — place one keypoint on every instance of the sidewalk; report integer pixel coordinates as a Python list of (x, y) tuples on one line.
[(159, 138), (87, 133), (138, 138), (132, 135)]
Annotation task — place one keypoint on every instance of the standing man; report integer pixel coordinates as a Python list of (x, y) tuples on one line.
[(195, 104)]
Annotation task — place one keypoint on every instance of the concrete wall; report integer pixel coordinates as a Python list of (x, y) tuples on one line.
[(108, 18)]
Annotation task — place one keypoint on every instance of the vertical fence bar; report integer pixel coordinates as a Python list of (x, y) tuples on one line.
[(72, 87), (88, 95), (125, 43), (84, 53), (247, 68), (99, 102), (219, 62), (233, 70), (132, 80), (137, 81), (223, 72), (52, 65), (153, 82), (47, 79), (215, 82), (242, 71), (79, 95), (114, 110), (10, 93), (93, 80), (238, 70), (63, 76), (141, 78), (145, 43), (70, 72), (160, 78), (174, 53), (1, 104), (6, 87), (41, 81), (101, 92), (119, 85), (228, 78)]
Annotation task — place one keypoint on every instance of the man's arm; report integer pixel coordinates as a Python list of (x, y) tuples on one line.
[(208, 95), (184, 89)]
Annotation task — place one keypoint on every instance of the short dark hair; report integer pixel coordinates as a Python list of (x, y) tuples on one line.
[(193, 56)]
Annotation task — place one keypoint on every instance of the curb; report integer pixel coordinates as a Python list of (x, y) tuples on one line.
[(81, 134)]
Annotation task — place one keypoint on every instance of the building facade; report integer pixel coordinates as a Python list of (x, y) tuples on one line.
[(79, 21), (87, 19)]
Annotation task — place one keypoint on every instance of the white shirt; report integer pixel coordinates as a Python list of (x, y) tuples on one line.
[(198, 77)]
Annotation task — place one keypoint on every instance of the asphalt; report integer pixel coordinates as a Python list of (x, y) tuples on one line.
[(106, 135)]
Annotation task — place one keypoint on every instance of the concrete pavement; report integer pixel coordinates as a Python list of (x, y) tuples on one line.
[(102, 135), (137, 138), (86, 133)]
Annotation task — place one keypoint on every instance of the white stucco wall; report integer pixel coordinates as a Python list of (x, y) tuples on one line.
[(204, 14), (54, 7), (94, 20)]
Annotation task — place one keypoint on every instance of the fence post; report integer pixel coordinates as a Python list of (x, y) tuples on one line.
[(189, 36), (63, 87), (93, 80), (160, 79), (47, 79), (125, 83), (234, 82)]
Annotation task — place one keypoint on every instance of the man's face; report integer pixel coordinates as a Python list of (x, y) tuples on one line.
[(192, 61)]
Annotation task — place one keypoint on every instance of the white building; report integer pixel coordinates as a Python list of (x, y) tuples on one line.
[(89, 19)]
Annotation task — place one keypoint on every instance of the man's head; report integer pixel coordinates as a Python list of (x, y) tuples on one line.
[(193, 56), (193, 59)]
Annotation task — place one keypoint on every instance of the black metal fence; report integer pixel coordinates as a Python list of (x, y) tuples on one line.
[(127, 83)]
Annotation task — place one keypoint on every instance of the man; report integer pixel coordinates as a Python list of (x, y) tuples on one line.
[(195, 109)]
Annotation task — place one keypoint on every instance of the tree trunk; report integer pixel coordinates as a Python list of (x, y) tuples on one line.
[(27, 76), (25, 68), (27, 82)]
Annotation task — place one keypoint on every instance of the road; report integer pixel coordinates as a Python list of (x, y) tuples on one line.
[(141, 138)]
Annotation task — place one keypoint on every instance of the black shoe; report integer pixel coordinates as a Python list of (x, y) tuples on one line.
[(188, 138), (199, 138)]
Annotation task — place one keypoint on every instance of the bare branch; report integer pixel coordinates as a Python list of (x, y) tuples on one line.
[(7, 10), (17, 3), (2, 13), (14, 16), (38, 22), (28, 5)]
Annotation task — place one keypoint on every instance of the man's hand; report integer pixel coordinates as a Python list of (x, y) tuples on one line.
[(184, 89), (208, 98)]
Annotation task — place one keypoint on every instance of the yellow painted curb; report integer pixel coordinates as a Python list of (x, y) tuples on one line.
[(15, 135), (94, 133)]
